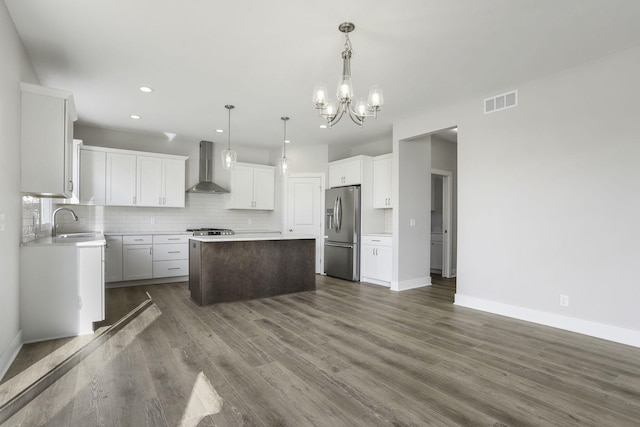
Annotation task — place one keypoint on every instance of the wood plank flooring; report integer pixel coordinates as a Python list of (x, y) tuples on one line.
[(348, 354)]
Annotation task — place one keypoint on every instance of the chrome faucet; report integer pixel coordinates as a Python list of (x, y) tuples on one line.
[(54, 233)]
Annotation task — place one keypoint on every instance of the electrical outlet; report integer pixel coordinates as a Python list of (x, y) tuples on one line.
[(152, 220), (564, 300), (412, 222)]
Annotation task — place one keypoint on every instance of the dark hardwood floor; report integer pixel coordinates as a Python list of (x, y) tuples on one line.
[(346, 355)]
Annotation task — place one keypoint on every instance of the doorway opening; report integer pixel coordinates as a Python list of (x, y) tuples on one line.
[(443, 204)]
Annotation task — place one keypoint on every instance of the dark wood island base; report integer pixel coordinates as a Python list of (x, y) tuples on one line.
[(223, 270)]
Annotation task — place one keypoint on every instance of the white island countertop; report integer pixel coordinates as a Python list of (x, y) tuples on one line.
[(251, 237)]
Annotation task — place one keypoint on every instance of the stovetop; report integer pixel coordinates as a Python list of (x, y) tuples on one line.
[(205, 231)]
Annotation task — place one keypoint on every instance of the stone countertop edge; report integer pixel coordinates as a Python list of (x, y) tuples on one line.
[(251, 237), (146, 233), (97, 240)]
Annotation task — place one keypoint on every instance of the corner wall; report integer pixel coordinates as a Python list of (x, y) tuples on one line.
[(16, 67)]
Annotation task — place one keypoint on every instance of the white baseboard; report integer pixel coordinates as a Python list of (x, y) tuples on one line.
[(405, 285), (9, 354), (599, 330), (375, 281)]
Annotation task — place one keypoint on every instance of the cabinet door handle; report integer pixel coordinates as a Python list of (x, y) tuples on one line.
[(174, 268), (173, 252), (159, 200), (134, 200), (173, 238), (164, 200)]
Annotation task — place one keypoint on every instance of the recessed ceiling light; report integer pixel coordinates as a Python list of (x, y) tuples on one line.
[(286, 141), (146, 89), (170, 135), (220, 130), (323, 126), (135, 117)]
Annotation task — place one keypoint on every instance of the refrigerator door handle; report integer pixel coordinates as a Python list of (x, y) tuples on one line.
[(335, 215), (338, 214)]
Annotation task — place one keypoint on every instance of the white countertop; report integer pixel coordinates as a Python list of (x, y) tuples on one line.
[(96, 240), (251, 237)]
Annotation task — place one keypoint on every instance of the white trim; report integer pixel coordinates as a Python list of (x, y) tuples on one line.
[(585, 327), (10, 353), (405, 285)]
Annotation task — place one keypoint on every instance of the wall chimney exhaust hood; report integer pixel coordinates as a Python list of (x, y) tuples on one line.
[(206, 184)]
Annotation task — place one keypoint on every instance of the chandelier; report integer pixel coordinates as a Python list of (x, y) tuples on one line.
[(284, 164), (358, 109), (228, 156)]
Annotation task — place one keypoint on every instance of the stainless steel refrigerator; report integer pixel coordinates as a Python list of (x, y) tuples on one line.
[(342, 233)]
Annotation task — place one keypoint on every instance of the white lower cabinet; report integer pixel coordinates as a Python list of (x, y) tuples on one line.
[(146, 256), (170, 256), (137, 261), (376, 259), (113, 259), (61, 290)]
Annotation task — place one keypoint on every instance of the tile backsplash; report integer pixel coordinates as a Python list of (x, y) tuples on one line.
[(201, 210)]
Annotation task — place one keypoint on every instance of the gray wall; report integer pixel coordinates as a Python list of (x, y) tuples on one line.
[(15, 68), (548, 198)]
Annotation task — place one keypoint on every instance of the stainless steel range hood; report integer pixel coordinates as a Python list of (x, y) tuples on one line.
[(206, 184)]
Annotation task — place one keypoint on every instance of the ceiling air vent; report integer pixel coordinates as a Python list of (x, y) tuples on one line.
[(500, 102)]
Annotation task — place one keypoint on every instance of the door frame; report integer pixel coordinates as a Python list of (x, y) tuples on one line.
[(285, 213), (447, 209)]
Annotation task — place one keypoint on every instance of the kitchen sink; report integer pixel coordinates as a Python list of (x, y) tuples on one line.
[(84, 235)]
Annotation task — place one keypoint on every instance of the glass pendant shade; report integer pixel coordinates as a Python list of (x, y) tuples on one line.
[(284, 165), (229, 157), (320, 95), (375, 97)]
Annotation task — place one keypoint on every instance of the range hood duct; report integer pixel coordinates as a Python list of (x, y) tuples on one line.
[(206, 184)]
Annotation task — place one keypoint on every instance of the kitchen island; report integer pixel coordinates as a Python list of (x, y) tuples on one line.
[(248, 266)]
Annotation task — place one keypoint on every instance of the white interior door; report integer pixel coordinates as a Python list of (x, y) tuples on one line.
[(304, 207)]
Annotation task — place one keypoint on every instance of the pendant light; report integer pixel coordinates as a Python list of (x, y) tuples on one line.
[(284, 164), (229, 156)]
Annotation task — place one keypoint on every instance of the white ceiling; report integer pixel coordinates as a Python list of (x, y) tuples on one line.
[(265, 56)]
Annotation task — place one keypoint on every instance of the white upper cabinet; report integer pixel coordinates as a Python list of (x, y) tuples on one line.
[(173, 183), (343, 173), (114, 177), (92, 181), (47, 141), (121, 179), (149, 181), (252, 187), (382, 181)]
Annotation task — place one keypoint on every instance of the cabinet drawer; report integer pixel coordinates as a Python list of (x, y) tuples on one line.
[(170, 268), (145, 239), (170, 252), (376, 240), (170, 238)]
